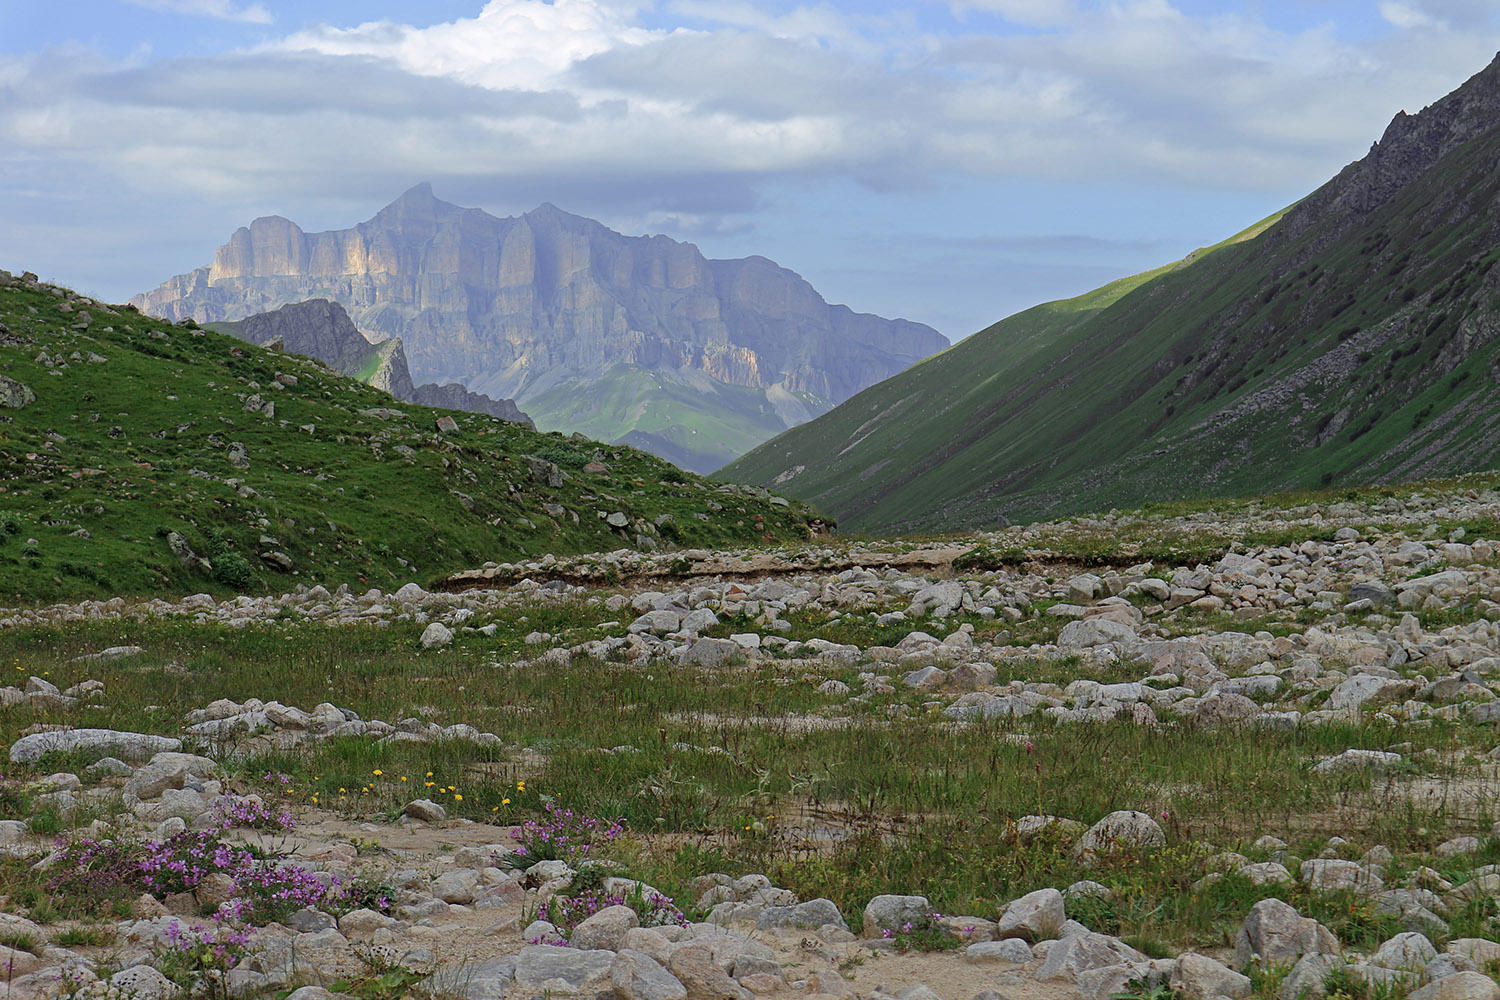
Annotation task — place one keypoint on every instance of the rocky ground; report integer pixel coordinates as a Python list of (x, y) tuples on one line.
[(1383, 614)]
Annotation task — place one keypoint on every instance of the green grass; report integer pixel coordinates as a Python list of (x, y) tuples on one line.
[(112, 457), (876, 806)]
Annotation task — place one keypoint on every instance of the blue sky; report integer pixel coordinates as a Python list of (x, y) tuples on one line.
[(950, 162)]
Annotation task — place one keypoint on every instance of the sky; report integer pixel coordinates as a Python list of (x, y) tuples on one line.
[(946, 161)]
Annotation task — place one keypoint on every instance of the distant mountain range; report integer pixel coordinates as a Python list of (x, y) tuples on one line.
[(633, 339), (1352, 338)]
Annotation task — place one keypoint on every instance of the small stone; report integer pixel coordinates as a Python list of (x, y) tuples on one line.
[(1012, 950), (426, 811), (142, 982)]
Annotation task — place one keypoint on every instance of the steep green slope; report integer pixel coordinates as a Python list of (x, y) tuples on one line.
[(1353, 340), (122, 436)]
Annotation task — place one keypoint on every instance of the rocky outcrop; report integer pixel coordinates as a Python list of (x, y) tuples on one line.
[(317, 328), (1410, 146), (453, 396), (322, 329), (516, 307)]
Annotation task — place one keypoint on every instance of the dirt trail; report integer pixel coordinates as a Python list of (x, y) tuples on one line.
[(748, 567)]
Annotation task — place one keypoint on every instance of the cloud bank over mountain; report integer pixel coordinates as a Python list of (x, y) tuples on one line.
[(705, 119)]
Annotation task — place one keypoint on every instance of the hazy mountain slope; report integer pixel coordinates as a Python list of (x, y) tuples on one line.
[(1353, 340), (519, 307), (322, 330), (137, 456)]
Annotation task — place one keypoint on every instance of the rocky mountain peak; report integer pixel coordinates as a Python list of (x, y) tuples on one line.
[(417, 213), (1409, 147)]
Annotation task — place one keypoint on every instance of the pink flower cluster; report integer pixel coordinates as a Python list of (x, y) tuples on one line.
[(90, 872), (239, 811), (654, 909), (564, 835)]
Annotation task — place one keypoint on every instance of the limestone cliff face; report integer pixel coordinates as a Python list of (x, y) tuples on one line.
[(514, 307)]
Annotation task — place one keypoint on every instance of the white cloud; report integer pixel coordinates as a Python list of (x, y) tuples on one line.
[(509, 44), (1405, 16), (223, 9), (580, 95)]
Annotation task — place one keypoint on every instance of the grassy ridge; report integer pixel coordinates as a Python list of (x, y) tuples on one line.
[(1328, 355), (131, 438)]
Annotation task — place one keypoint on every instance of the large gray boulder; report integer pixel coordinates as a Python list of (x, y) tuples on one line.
[(586, 971), (436, 636), (15, 395), (709, 653), (1362, 689), (1459, 986), (697, 969), (166, 771), (1012, 950), (1274, 933), (126, 746), (1036, 916), (658, 622), (1081, 952), (142, 982), (1123, 830), (604, 929), (1198, 976), (1335, 874), (485, 980), (891, 913), (637, 976), (1410, 951), (1356, 759), (1305, 981), (1215, 711), (812, 914), (1088, 632)]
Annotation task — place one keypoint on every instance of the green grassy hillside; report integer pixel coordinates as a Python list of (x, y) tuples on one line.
[(699, 424), (278, 470), (1334, 346)]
